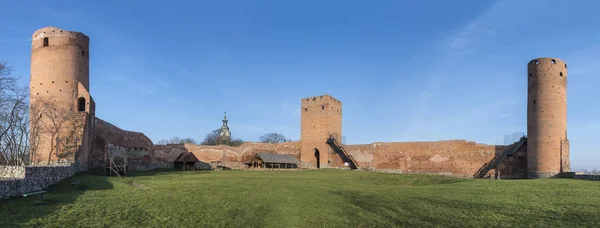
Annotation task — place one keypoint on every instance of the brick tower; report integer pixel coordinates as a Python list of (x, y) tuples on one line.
[(321, 116), (547, 143), (59, 90)]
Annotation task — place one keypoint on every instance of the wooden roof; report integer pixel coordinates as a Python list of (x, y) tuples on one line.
[(277, 158), (186, 157)]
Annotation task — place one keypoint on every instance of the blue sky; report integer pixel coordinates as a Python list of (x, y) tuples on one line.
[(419, 70)]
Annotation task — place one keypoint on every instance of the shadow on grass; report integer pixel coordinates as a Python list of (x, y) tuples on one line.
[(254, 216), (384, 179), (378, 210), (161, 172), (369, 210), (18, 211)]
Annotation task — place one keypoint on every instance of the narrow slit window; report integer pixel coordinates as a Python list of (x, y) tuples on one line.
[(81, 104), (45, 41)]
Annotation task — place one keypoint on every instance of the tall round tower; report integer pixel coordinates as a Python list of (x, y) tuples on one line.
[(547, 143), (60, 80), (59, 61)]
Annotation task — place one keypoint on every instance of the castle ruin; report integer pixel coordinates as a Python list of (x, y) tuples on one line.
[(60, 90)]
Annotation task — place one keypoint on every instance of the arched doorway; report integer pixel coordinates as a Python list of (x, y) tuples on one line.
[(318, 157)]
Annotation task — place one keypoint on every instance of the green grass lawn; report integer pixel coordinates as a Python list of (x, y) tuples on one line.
[(319, 198)]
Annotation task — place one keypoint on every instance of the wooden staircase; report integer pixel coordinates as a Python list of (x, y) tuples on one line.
[(495, 162), (115, 168), (112, 169), (340, 151)]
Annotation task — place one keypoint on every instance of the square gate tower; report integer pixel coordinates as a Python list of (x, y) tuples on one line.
[(321, 117)]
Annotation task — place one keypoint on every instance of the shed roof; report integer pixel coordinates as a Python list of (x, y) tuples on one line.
[(186, 157), (277, 158)]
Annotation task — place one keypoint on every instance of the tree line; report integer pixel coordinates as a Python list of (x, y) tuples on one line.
[(14, 119), (214, 138)]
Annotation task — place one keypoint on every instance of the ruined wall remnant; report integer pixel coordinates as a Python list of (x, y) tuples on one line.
[(138, 147), (16, 180), (233, 156), (547, 152), (112, 134), (321, 116), (457, 157), (452, 157)]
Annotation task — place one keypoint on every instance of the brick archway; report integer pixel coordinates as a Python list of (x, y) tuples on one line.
[(318, 157)]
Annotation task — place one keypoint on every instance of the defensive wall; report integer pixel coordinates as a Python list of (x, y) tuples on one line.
[(110, 137), (60, 76), (452, 157)]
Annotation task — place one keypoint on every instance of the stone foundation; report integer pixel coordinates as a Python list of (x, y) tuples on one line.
[(536, 175), (580, 176), (150, 166), (16, 180), (12, 172), (587, 177)]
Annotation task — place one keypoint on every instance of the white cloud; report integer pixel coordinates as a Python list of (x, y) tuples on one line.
[(429, 121)]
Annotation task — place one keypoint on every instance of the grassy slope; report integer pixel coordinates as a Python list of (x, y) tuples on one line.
[(329, 198)]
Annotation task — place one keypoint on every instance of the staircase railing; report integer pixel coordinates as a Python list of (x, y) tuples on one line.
[(499, 158), (343, 154)]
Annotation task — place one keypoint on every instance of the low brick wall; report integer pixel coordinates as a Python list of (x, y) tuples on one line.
[(17, 180)]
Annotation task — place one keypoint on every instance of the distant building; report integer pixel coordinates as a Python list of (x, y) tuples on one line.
[(225, 134)]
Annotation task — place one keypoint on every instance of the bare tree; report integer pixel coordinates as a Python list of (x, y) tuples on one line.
[(14, 121), (273, 138), (176, 140), (236, 142), (55, 125), (214, 138), (14, 128)]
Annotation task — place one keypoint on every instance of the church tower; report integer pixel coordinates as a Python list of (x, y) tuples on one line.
[(225, 134)]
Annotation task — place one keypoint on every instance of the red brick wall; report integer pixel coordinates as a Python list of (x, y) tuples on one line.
[(458, 157)]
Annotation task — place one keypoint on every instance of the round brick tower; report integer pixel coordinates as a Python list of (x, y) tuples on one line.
[(59, 61), (59, 75), (547, 143)]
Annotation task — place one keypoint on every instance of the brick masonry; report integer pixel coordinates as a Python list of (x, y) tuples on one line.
[(60, 72), (321, 116), (548, 147)]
